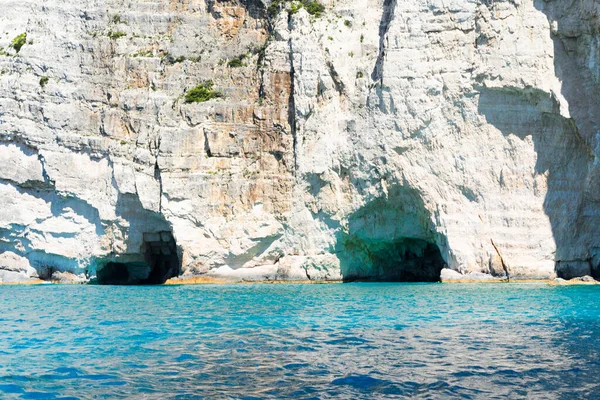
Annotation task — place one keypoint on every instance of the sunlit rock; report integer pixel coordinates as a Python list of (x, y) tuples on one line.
[(392, 143)]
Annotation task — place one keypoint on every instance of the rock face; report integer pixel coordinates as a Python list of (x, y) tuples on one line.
[(378, 140)]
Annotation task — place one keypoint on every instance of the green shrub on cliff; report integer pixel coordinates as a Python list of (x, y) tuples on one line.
[(237, 62), (115, 35), (19, 41), (295, 7), (116, 19), (201, 93), (274, 7), (313, 7)]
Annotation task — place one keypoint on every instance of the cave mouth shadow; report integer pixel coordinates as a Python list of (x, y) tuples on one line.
[(157, 262), (400, 260)]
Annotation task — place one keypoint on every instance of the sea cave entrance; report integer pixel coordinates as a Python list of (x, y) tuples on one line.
[(392, 239), (401, 260), (157, 262)]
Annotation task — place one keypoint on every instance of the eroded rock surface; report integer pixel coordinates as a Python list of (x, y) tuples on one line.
[(380, 140)]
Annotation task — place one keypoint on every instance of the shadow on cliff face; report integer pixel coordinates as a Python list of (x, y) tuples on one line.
[(391, 239), (576, 40), (152, 254), (564, 146), (389, 8), (562, 156)]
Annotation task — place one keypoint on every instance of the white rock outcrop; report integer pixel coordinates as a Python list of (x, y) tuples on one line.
[(382, 139)]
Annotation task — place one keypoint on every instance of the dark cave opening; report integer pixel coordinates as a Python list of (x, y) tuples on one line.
[(160, 262), (402, 260)]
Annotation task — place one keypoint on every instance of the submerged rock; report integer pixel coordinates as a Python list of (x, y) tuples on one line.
[(415, 137)]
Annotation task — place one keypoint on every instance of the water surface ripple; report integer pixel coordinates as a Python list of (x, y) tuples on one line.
[(350, 341)]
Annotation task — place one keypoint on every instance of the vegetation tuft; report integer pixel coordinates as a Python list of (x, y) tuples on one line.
[(313, 7), (174, 60), (19, 41), (116, 19), (274, 7), (116, 35), (237, 62), (43, 81), (295, 7), (201, 93)]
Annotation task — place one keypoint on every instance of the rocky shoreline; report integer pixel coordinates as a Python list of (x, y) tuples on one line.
[(207, 280)]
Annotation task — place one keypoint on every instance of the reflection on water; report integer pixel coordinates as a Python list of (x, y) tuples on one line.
[(303, 341)]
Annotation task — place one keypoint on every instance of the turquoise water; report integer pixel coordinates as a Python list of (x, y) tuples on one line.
[(348, 341)]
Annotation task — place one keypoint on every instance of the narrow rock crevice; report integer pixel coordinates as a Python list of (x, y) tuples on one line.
[(335, 77), (389, 8), (307, 274), (504, 265), (49, 182), (292, 108), (158, 178), (207, 144)]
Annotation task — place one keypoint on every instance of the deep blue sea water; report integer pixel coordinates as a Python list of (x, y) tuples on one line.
[(349, 341)]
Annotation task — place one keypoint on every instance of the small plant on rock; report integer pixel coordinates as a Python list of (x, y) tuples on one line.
[(43, 81), (261, 51), (237, 62), (201, 93), (19, 41), (174, 60), (274, 7), (116, 35), (116, 19), (295, 7), (314, 8)]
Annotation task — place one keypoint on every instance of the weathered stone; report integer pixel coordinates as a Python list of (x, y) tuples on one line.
[(449, 275), (67, 277), (10, 261), (14, 277), (467, 129)]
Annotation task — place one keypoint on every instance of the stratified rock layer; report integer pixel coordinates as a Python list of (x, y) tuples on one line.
[(380, 140)]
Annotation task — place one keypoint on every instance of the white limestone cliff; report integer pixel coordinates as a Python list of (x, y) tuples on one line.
[(380, 140)]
